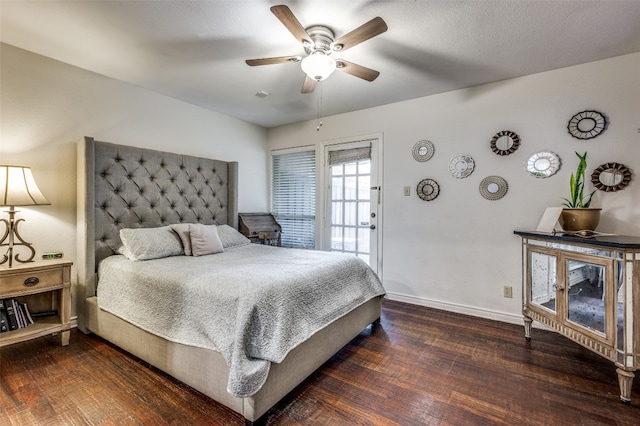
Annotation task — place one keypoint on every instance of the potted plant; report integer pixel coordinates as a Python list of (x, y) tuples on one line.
[(577, 214)]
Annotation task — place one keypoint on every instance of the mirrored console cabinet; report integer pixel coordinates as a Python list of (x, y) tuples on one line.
[(587, 289)]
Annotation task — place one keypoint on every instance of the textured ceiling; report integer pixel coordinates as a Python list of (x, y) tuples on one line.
[(195, 51)]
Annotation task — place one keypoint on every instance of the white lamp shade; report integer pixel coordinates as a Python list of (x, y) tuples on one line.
[(18, 188), (318, 66)]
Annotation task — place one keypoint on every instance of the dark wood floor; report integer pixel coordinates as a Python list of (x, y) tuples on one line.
[(419, 367)]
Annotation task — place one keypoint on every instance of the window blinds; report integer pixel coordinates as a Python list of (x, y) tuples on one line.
[(343, 156), (293, 197)]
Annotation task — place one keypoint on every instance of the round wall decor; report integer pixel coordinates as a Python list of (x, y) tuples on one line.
[(587, 124), (543, 164), (423, 150), (461, 166), (493, 187), (611, 177), (505, 142), (428, 189)]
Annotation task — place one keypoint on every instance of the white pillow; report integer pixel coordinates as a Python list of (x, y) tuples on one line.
[(182, 229), (231, 237), (204, 239), (150, 243)]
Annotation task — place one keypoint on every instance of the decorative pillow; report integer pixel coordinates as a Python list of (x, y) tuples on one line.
[(124, 251), (182, 229), (150, 243), (231, 237), (204, 239)]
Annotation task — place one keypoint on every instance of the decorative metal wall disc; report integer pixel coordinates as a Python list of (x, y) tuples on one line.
[(428, 189), (461, 166), (423, 150), (505, 142), (587, 124), (543, 164), (611, 177), (493, 187)]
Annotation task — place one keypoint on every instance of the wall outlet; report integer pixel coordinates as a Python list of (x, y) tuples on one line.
[(407, 191), (508, 291)]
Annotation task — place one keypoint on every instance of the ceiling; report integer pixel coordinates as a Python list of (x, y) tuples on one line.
[(195, 50)]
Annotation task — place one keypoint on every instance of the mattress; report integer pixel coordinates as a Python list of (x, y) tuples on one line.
[(253, 303)]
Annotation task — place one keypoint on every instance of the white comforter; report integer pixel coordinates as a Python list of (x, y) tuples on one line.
[(252, 303)]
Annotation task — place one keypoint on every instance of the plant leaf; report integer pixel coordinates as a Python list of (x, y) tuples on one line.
[(576, 185), (582, 165), (580, 189), (588, 203)]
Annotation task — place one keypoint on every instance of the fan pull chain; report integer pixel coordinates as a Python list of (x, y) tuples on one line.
[(319, 123)]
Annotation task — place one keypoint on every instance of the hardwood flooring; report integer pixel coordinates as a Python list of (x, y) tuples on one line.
[(419, 367)]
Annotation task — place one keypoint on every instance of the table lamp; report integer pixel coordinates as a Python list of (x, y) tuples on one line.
[(17, 188)]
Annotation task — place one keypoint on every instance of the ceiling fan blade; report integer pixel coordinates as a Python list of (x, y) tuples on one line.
[(364, 32), (270, 61), (357, 70), (308, 85), (288, 19)]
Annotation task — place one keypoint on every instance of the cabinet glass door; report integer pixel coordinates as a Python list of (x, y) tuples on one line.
[(618, 302), (543, 280), (586, 286)]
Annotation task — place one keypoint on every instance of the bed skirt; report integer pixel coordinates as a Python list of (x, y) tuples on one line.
[(206, 371)]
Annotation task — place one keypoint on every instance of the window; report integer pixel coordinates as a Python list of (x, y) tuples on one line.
[(293, 197)]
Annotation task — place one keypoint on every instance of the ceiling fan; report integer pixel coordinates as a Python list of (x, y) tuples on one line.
[(319, 43)]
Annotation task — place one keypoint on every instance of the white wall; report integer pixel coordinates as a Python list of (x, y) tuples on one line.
[(458, 251), (47, 106)]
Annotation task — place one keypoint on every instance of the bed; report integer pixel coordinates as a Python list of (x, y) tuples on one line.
[(142, 190)]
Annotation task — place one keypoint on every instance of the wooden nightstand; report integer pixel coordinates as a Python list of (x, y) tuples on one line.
[(45, 286)]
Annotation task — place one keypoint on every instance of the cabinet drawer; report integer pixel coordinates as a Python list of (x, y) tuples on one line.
[(30, 281)]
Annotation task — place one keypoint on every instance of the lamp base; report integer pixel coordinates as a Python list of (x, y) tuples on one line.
[(11, 235)]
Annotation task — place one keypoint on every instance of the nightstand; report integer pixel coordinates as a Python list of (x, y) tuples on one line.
[(45, 286)]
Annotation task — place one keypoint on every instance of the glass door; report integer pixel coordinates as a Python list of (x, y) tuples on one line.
[(589, 295), (543, 278), (573, 288), (352, 201), (350, 208)]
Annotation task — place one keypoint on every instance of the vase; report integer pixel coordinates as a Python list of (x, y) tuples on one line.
[(580, 219)]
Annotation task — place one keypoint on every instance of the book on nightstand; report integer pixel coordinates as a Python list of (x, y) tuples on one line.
[(21, 313), (11, 315), (4, 322), (27, 314)]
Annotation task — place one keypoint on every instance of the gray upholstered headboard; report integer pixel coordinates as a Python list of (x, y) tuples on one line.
[(127, 187)]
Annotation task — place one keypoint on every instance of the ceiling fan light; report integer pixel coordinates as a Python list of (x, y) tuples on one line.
[(318, 66)]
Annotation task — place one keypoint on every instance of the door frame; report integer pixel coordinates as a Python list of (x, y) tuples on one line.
[(324, 230)]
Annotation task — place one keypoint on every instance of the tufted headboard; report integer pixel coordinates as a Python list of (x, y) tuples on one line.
[(127, 187)]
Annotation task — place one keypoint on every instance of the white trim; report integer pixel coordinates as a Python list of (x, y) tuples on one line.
[(460, 309), (464, 310)]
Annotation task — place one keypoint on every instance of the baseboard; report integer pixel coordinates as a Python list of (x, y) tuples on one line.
[(460, 309)]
